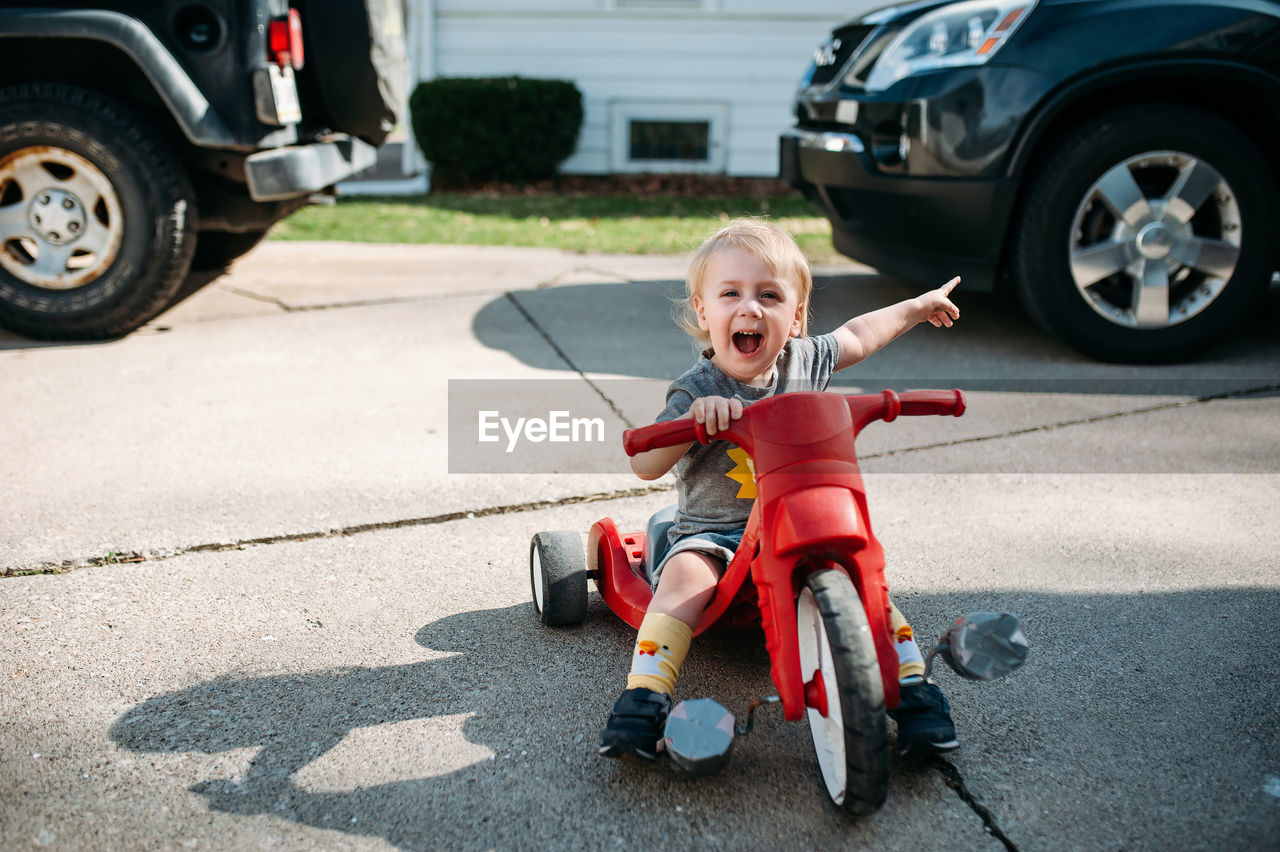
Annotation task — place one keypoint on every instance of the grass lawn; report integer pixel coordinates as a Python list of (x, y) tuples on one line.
[(633, 224)]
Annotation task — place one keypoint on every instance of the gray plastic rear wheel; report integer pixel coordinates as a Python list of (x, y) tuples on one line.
[(558, 575)]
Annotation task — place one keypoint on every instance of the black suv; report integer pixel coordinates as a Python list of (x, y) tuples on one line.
[(1115, 159), (139, 139)]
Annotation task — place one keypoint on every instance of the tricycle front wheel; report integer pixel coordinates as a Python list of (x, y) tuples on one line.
[(558, 574), (852, 738)]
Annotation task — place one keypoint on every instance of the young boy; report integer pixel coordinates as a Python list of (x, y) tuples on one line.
[(748, 292)]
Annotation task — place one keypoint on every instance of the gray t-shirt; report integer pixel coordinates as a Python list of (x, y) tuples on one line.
[(715, 482)]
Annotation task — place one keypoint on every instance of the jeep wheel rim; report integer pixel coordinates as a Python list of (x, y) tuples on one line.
[(61, 226), (1155, 240)]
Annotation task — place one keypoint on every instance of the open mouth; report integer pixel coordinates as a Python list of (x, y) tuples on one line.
[(747, 342)]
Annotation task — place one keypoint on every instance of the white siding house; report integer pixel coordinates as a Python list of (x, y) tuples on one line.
[(667, 85)]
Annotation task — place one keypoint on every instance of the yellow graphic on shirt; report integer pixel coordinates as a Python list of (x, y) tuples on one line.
[(744, 473)]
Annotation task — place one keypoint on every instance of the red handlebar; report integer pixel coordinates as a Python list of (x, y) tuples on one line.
[(668, 433), (864, 407), (931, 402)]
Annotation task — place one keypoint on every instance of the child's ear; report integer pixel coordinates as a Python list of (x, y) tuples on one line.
[(701, 311), (798, 322)]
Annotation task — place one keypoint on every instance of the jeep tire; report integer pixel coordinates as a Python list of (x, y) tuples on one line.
[(96, 215)]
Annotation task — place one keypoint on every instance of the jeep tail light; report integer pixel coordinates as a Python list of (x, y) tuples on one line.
[(284, 40)]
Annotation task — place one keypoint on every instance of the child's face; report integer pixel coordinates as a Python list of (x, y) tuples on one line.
[(748, 312)]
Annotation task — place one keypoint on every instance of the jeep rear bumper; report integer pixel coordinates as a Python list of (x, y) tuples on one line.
[(299, 170)]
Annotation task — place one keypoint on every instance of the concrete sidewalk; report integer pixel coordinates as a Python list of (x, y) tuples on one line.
[(259, 611)]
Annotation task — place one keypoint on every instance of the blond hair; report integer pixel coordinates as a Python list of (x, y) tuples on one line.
[(765, 240)]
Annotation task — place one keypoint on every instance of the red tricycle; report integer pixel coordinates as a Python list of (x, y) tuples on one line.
[(808, 570)]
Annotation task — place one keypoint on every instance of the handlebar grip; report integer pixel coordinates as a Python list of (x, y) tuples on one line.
[(932, 402), (668, 433)]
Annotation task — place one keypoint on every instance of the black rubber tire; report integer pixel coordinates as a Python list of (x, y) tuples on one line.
[(153, 227), (859, 689), (217, 249), (1057, 191), (558, 577)]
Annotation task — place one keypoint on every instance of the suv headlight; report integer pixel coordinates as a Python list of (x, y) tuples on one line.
[(967, 33)]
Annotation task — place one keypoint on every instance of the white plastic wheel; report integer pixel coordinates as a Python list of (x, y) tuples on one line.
[(827, 731), (851, 740), (535, 575)]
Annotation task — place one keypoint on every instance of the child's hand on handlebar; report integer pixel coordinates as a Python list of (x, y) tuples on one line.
[(715, 412)]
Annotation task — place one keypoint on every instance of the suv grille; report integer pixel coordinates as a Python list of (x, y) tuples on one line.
[(831, 57)]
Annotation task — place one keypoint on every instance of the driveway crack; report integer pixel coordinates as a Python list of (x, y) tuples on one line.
[(115, 558), (1082, 421), (952, 778), (564, 356), (121, 558)]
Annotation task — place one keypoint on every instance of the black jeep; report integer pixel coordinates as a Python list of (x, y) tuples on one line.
[(141, 139)]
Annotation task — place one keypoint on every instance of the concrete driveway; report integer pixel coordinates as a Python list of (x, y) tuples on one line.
[(247, 604)]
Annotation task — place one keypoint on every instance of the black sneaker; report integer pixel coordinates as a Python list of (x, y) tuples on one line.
[(924, 720), (635, 725)]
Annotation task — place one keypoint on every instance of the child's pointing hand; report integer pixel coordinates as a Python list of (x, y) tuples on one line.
[(938, 308)]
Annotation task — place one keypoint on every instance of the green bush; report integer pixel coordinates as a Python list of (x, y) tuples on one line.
[(496, 129)]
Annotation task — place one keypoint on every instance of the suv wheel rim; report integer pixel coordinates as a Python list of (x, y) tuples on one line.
[(61, 225), (1155, 240)]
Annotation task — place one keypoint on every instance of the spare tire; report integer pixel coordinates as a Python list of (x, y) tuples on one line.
[(355, 76)]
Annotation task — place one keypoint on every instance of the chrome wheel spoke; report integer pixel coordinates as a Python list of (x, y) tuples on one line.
[(1212, 257), (1093, 263), (1122, 195), (1194, 184), (1151, 295)]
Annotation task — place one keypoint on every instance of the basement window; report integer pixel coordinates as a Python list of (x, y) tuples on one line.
[(651, 136)]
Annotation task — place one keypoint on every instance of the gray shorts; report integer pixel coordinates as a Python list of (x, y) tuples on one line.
[(721, 545)]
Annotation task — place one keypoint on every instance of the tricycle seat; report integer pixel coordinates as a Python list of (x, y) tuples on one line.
[(655, 537)]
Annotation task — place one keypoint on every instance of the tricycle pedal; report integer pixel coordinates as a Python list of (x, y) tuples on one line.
[(699, 736)]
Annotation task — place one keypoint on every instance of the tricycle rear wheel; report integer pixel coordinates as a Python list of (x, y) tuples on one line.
[(558, 574), (852, 739)]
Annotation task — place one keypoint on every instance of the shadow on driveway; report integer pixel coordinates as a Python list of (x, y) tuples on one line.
[(629, 329), (1151, 704)]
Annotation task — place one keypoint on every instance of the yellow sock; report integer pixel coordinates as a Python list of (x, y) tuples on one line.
[(910, 663), (661, 646)]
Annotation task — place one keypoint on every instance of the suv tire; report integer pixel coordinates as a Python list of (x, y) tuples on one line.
[(1196, 297), (96, 215)]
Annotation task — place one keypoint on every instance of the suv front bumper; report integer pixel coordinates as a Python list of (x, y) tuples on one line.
[(923, 228), (298, 170)]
